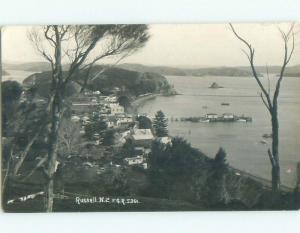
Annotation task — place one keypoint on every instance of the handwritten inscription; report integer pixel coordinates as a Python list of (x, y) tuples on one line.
[(106, 200)]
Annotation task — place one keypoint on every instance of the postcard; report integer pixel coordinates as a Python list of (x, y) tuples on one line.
[(159, 117)]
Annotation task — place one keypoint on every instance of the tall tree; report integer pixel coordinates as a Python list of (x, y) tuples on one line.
[(144, 122), (82, 47), (160, 124), (270, 102), (10, 94)]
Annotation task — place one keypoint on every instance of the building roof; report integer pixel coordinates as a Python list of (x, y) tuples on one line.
[(142, 134)]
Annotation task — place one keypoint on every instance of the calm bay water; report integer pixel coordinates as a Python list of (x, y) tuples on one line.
[(242, 141), (16, 75)]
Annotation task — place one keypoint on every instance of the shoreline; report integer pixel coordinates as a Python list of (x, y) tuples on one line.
[(141, 100)]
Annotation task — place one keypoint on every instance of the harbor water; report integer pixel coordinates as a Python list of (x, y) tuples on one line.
[(246, 148)]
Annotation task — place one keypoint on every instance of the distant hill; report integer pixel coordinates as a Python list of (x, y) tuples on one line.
[(165, 70), (162, 70), (28, 66), (291, 71), (241, 71)]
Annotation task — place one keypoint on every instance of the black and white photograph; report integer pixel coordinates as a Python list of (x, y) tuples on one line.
[(150, 117)]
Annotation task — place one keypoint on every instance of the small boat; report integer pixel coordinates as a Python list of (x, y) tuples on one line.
[(205, 121), (267, 135), (242, 120), (225, 104), (263, 142), (214, 85)]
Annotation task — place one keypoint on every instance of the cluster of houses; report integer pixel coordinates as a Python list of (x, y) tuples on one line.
[(90, 104), (142, 140)]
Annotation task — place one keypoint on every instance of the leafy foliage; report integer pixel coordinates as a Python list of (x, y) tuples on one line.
[(95, 127), (144, 122), (10, 93), (124, 101), (160, 124), (127, 148)]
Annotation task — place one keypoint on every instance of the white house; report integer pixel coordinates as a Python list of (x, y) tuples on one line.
[(111, 99), (96, 93), (145, 166), (165, 140), (75, 118), (134, 160), (110, 124), (116, 109), (142, 137), (124, 120), (86, 120)]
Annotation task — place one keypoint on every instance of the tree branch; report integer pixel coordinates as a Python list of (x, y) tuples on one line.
[(250, 56), (39, 164), (286, 60)]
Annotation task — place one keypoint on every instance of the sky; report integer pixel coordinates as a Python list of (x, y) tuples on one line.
[(181, 45)]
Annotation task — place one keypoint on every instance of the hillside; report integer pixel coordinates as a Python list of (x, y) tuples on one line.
[(41, 84), (130, 82)]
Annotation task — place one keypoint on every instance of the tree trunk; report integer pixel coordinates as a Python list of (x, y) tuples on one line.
[(52, 155), (55, 114), (275, 153)]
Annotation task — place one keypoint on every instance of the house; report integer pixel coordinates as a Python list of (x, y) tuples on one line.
[(75, 118), (111, 99), (81, 104), (165, 140), (85, 120), (110, 124), (116, 109), (134, 160), (142, 137), (124, 121), (88, 92), (211, 116), (96, 92), (94, 101), (139, 151)]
